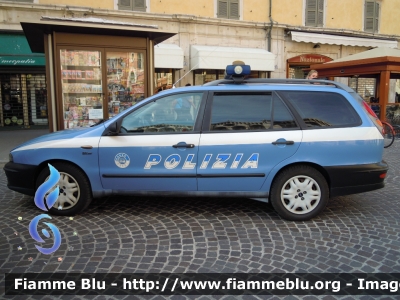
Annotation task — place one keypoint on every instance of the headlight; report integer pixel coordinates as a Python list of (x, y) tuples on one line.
[(10, 157)]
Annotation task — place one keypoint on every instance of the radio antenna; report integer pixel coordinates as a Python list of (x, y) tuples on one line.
[(173, 86)]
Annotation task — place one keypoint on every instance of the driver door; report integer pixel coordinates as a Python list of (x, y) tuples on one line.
[(156, 149)]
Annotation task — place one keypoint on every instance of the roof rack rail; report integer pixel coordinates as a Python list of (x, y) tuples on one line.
[(281, 81)]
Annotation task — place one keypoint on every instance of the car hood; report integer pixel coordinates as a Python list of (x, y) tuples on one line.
[(65, 134)]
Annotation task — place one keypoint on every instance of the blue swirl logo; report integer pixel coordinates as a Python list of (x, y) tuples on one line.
[(41, 200), (34, 233)]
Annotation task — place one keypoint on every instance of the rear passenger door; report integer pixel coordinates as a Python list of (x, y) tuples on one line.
[(244, 136)]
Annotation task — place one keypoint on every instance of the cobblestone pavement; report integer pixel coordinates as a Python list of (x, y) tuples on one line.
[(357, 233)]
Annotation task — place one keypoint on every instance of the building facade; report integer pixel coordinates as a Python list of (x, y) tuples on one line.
[(279, 39)]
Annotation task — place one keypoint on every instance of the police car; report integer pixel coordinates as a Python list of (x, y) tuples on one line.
[(293, 143)]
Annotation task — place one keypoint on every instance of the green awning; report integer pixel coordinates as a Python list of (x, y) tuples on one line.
[(15, 51)]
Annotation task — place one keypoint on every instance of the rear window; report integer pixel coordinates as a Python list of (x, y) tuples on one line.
[(323, 109)]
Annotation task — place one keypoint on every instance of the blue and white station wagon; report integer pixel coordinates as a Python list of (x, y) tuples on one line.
[(293, 143)]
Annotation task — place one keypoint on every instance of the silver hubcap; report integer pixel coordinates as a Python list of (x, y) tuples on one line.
[(300, 194), (69, 192)]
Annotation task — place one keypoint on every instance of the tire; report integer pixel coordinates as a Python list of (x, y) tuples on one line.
[(74, 197), (388, 134), (299, 193)]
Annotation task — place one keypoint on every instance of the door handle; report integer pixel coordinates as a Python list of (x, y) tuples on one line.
[(87, 147), (283, 143), (183, 145)]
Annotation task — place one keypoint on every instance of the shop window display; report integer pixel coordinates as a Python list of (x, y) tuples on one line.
[(81, 87), (11, 100), (125, 80), (23, 100), (163, 80)]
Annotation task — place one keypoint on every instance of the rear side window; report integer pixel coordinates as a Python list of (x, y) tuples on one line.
[(249, 112), (323, 109)]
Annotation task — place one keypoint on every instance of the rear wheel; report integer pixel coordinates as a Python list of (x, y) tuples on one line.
[(299, 193), (75, 193)]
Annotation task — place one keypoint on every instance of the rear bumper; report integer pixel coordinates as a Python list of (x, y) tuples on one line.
[(346, 180), (21, 178)]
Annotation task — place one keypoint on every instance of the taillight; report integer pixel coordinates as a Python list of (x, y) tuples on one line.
[(369, 109), (372, 113)]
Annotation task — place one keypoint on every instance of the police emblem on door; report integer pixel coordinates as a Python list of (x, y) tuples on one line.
[(122, 160)]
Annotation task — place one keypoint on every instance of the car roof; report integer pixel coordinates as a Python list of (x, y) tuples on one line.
[(286, 82), (264, 84)]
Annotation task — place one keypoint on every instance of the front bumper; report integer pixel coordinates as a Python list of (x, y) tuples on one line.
[(21, 177), (346, 180)]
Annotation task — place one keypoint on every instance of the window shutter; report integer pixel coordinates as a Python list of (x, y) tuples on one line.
[(139, 5), (369, 15), (376, 19), (320, 21), (311, 13), (222, 9), (125, 4), (234, 9)]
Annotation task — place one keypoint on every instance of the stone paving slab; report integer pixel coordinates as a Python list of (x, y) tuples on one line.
[(357, 233)]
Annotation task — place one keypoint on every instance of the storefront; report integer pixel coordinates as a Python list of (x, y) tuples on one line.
[(296, 67), (306, 48), (96, 69), (209, 62), (381, 68), (168, 58), (23, 92)]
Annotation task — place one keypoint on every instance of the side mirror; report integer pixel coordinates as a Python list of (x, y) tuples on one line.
[(114, 128)]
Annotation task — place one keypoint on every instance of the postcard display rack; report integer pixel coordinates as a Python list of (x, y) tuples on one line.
[(81, 87), (125, 80)]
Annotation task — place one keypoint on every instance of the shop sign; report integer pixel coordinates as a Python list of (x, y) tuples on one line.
[(22, 61), (310, 59)]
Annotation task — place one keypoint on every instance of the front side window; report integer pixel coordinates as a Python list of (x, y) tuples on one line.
[(249, 112), (371, 19), (315, 13), (176, 113), (136, 5), (228, 9), (323, 109)]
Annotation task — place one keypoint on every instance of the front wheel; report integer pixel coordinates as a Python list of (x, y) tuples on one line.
[(75, 193), (299, 193)]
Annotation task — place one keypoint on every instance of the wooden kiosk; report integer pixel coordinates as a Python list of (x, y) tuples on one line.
[(95, 69), (382, 64)]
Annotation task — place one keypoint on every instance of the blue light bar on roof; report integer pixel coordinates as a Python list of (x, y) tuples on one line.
[(238, 70)]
